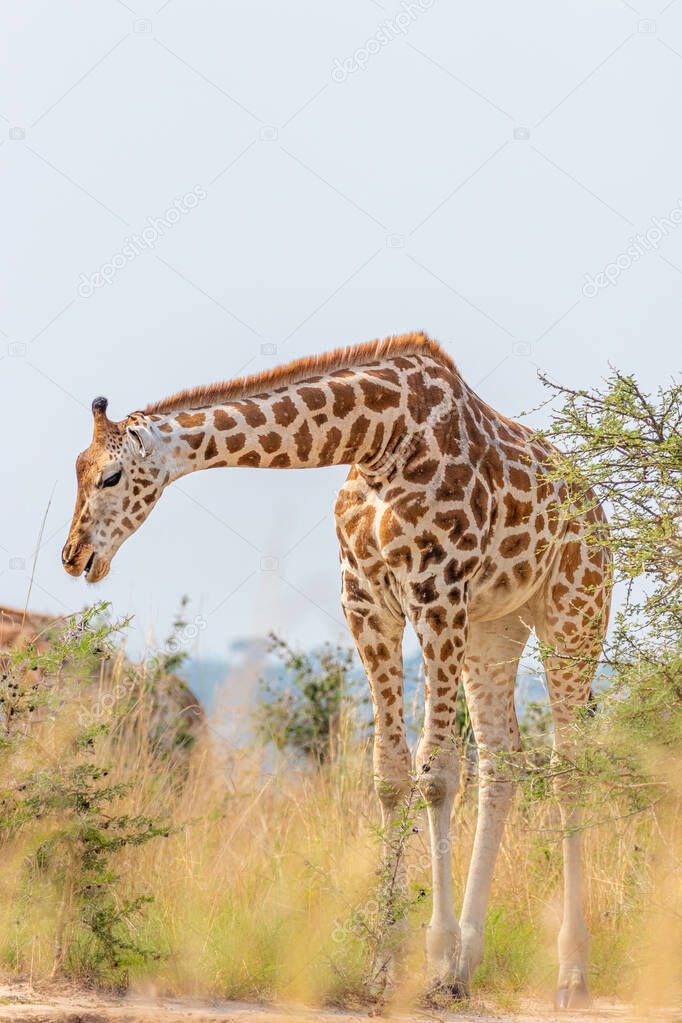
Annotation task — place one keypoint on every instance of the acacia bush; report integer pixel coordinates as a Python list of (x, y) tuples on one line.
[(622, 447), (59, 803)]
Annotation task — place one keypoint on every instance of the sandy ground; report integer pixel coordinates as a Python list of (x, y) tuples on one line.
[(64, 1005)]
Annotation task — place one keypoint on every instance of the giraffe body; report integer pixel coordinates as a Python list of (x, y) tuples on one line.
[(446, 520)]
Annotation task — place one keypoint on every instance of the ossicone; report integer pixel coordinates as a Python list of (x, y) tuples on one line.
[(101, 425), (99, 405)]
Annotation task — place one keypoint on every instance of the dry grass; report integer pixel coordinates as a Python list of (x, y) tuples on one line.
[(257, 886)]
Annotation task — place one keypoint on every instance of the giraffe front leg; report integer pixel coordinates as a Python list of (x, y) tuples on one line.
[(439, 778), (378, 637), (441, 629)]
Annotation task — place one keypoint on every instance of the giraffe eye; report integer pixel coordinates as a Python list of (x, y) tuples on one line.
[(112, 480)]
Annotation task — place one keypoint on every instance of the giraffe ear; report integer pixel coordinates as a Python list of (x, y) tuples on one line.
[(140, 439)]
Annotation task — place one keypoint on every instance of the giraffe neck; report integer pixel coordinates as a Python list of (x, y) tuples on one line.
[(351, 416)]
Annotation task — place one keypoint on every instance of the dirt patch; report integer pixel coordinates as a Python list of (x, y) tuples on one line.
[(66, 1005)]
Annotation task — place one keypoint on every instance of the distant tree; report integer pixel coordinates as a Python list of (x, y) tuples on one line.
[(302, 708)]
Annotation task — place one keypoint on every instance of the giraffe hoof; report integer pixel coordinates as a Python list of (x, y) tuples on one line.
[(573, 996), (459, 991), (447, 990)]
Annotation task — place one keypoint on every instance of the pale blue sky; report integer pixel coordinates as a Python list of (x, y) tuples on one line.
[(369, 167)]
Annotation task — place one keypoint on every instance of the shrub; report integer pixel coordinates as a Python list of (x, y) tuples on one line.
[(304, 706), (58, 798)]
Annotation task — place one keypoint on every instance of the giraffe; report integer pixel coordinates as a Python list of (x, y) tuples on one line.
[(446, 520)]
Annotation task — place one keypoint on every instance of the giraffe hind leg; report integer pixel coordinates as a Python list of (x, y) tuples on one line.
[(570, 620)]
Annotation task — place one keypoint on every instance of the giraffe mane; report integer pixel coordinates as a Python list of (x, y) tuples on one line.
[(302, 369)]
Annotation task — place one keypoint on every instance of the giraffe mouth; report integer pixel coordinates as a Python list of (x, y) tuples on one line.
[(96, 568)]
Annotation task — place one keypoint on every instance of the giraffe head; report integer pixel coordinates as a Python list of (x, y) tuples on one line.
[(118, 485)]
